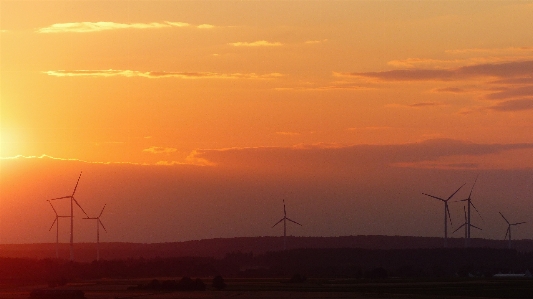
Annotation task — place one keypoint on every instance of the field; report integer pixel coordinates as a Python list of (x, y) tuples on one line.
[(323, 288)]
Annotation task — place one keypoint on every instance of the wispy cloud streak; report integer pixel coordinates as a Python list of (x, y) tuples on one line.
[(160, 74), (259, 43), (501, 70), (160, 150), (82, 27)]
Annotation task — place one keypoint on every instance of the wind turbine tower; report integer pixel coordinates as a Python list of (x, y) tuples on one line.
[(284, 219), (98, 224), (446, 213), (470, 204), (509, 228), (56, 220), (72, 201), (465, 225)]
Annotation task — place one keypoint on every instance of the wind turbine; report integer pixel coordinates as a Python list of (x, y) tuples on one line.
[(72, 201), (57, 227), (98, 223), (469, 203), (446, 213), (284, 219), (465, 224), (509, 228)]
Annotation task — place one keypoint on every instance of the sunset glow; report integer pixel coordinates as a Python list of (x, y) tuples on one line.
[(206, 114)]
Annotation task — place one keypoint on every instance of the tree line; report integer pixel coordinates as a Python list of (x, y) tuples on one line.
[(310, 263)]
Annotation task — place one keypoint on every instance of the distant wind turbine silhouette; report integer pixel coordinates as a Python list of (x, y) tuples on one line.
[(56, 220), (509, 228), (98, 224), (465, 225), (284, 219), (470, 204), (72, 201), (446, 213)]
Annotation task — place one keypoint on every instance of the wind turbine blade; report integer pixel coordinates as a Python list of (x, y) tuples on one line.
[(504, 218), (518, 223), (477, 211), (464, 210), (294, 222), (76, 184), (433, 196), (53, 208), (278, 222), (459, 227), (60, 197), (55, 220), (461, 200), (102, 211), (475, 227), (469, 195), (80, 206), (448, 212), (100, 222), (455, 192), (284, 210)]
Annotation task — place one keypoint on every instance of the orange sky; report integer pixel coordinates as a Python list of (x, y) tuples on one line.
[(263, 92)]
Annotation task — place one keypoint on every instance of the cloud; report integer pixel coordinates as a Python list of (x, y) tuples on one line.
[(83, 27), (493, 51), (512, 92), (288, 133), (333, 86), (259, 43), (370, 128), (160, 74), (416, 105), (311, 42), (347, 159), (424, 104), (450, 90), (417, 62), (160, 150), (513, 105), (501, 70), (205, 26), (47, 157)]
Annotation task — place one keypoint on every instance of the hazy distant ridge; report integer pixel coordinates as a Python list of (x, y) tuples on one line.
[(221, 246)]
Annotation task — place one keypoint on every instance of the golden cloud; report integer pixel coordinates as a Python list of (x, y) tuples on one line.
[(259, 43), (82, 27), (160, 74)]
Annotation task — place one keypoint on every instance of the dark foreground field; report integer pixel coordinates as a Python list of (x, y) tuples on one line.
[(316, 288)]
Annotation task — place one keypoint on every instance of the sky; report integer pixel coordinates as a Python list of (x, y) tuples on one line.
[(196, 119)]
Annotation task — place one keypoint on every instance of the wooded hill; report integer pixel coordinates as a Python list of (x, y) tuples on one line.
[(218, 248)]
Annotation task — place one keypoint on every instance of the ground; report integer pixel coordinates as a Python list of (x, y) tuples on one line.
[(323, 288)]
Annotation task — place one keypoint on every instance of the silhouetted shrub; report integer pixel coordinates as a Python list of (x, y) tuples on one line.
[(297, 278), (186, 284), (153, 285), (199, 285), (377, 273), (218, 283)]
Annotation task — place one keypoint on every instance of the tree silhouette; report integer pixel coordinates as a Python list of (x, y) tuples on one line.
[(218, 283)]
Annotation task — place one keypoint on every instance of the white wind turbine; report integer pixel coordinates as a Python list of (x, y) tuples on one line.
[(72, 201), (284, 219), (446, 213), (98, 224), (465, 225), (509, 228), (56, 220)]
